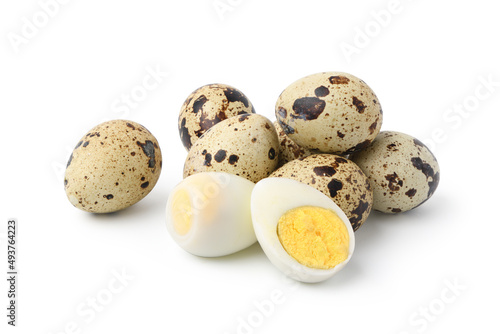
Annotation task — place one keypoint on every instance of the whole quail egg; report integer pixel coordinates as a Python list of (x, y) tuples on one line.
[(338, 178), (207, 106), (402, 171), (333, 112), (116, 164), (289, 150), (302, 231), (208, 214), (245, 145)]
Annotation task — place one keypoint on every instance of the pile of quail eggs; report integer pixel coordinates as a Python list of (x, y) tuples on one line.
[(243, 171)]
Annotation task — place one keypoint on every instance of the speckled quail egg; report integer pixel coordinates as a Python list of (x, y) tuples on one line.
[(115, 165), (289, 150), (333, 112), (338, 178), (301, 230), (402, 171), (207, 106), (245, 145), (208, 214)]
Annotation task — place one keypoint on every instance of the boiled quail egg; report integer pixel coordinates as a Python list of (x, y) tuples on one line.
[(208, 214), (301, 230)]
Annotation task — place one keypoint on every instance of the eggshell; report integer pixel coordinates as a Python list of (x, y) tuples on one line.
[(402, 171), (337, 177), (245, 145), (207, 106), (115, 165), (333, 112), (289, 150)]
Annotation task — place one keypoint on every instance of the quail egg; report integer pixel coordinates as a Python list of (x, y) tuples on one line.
[(245, 145), (302, 231), (333, 112), (115, 165), (207, 106), (402, 171), (289, 150), (208, 214)]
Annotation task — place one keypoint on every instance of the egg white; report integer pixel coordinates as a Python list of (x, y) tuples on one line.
[(271, 198), (221, 218)]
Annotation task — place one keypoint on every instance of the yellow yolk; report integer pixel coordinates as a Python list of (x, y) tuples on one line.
[(314, 236), (183, 212)]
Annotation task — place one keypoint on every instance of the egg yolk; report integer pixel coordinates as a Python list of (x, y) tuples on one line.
[(315, 237), (182, 214)]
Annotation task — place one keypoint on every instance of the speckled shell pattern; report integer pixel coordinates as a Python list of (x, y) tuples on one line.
[(333, 112), (245, 145), (336, 177), (289, 150), (207, 106), (402, 170), (115, 165)]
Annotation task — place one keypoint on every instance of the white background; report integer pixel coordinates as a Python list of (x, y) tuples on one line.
[(426, 61)]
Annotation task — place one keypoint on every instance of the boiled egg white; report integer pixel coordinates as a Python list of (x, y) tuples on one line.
[(319, 238), (208, 214)]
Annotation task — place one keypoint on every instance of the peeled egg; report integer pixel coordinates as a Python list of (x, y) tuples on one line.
[(208, 214), (301, 230)]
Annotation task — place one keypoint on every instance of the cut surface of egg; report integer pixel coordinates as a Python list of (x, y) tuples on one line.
[(208, 214), (302, 231)]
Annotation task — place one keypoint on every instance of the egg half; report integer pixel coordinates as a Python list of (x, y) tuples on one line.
[(301, 230), (208, 214)]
